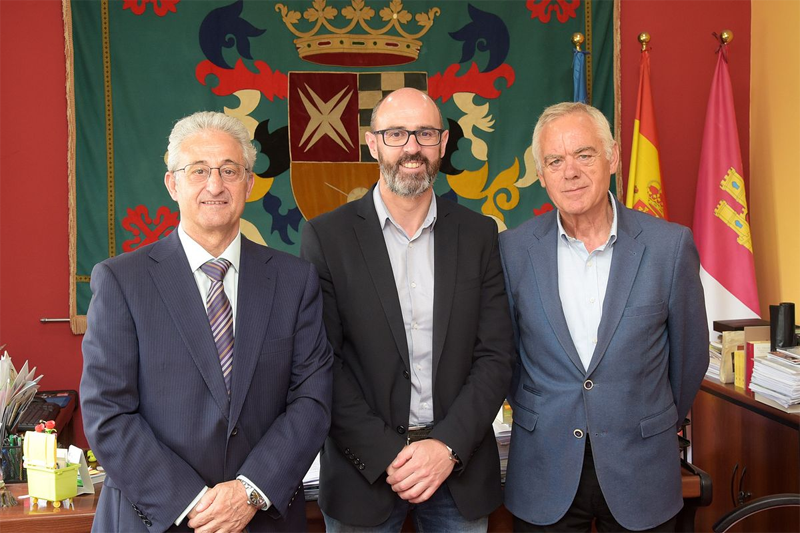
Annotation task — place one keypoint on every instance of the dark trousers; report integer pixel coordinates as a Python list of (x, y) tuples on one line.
[(589, 505)]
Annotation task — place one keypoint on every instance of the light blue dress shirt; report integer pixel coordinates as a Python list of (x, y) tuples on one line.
[(412, 265), (582, 282)]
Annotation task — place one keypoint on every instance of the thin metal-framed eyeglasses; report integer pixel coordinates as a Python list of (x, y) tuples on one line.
[(396, 137), (200, 173)]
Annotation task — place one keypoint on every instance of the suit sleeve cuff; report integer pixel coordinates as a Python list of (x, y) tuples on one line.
[(191, 506), (267, 502)]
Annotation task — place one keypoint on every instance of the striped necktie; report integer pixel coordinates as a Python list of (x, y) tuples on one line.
[(220, 315)]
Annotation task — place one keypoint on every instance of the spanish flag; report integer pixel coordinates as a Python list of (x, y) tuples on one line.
[(645, 192)]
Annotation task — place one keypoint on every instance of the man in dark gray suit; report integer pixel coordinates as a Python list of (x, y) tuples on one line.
[(611, 335), (418, 318), (206, 386)]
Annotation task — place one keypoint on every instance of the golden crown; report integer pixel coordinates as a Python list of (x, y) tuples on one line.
[(370, 48)]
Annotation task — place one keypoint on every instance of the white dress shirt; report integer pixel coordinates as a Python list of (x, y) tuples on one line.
[(198, 256)]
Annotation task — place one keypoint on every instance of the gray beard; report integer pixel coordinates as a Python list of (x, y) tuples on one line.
[(409, 187)]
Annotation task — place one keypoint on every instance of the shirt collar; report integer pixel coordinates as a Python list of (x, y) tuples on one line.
[(384, 215), (198, 256), (612, 234)]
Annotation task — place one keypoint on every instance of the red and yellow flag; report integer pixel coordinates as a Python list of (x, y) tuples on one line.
[(645, 192)]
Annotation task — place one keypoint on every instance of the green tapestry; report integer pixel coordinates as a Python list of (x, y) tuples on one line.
[(303, 76)]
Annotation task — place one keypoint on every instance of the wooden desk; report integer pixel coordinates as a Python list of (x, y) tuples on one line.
[(731, 433), (22, 519)]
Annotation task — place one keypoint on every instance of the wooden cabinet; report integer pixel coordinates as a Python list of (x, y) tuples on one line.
[(730, 428)]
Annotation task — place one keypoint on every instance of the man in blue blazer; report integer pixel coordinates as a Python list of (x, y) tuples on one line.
[(206, 385), (612, 344)]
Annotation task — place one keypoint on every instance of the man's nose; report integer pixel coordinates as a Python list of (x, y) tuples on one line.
[(214, 183), (412, 146), (571, 167)]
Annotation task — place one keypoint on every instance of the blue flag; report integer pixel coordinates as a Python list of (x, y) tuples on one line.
[(579, 76)]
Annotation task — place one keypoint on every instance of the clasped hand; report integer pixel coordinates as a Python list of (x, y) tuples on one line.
[(419, 469), (222, 509)]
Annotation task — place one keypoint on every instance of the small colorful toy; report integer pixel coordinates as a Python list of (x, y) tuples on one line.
[(47, 479)]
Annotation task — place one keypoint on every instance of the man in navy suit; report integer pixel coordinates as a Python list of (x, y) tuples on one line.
[(205, 395), (612, 344)]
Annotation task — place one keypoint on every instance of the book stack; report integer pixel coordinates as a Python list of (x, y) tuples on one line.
[(714, 359), (776, 379)]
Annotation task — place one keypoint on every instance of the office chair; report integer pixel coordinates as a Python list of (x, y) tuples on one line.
[(765, 503)]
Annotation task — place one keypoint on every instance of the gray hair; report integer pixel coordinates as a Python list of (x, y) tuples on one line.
[(568, 108), (204, 121), (374, 115)]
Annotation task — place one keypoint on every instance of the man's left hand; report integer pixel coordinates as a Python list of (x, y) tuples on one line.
[(223, 509), (419, 470)]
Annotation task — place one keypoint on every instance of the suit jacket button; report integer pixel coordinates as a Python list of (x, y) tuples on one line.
[(578, 434), (401, 429), (347, 451), (148, 523), (234, 432), (406, 374), (588, 384), (361, 466)]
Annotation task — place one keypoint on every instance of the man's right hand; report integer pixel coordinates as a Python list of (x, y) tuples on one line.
[(222, 509)]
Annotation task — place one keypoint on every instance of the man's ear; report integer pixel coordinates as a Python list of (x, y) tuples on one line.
[(372, 143), (172, 186), (613, 163), (443, 144)]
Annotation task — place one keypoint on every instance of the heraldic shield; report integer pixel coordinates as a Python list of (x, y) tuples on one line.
[(329, 112)]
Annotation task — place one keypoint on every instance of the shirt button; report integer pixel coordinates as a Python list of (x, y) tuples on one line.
[(413, 285), (415, 326), (411, 245), (578, 434), (589, 263), (591, 300), (588, 384), (594, 341)]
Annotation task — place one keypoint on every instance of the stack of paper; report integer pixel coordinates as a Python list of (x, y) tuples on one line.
[(17, 389), (311, 480), (502, 433), (714, 359), (776, 379)]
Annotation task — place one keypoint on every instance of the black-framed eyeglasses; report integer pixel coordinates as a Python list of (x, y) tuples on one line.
[(396, 137), (200, 173)]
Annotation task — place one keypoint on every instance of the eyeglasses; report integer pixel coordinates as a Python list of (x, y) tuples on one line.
[(556, 163), (199, 173), (396, 137)]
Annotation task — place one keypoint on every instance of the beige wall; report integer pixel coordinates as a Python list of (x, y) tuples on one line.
[(775, 150)]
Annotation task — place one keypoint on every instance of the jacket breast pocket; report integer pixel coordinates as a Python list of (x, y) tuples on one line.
[(645, 310), (660, 422), (272, 346)]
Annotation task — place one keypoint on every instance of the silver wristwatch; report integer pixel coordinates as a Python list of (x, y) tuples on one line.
[(253, 497)]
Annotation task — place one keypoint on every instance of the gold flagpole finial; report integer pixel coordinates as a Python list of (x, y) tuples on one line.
[(577, 40), (643, 39), (726, 36)]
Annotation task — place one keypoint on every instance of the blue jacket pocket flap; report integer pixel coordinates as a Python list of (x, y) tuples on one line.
[(658, 423), (525, 417)]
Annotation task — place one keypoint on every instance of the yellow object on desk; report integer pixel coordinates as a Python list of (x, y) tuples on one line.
[(739, 363), (46, 479)]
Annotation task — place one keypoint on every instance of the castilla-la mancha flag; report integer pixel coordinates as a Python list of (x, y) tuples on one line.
[(645, 192), (721, 221)]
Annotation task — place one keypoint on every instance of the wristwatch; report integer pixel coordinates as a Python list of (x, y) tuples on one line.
[(253, 497)]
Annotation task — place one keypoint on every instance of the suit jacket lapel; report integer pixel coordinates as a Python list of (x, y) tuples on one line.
[(544, 256), (445, 245), (175, 282), (253, 307), (373, 248), (624, 265)]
